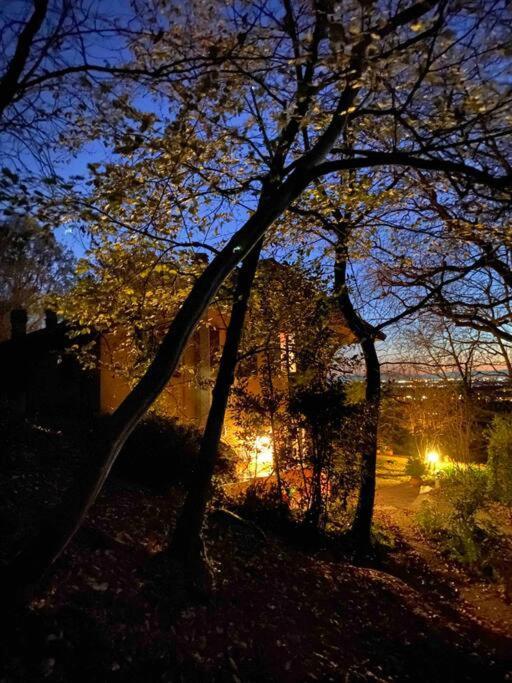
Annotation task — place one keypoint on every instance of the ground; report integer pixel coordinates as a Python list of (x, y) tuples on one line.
[(280, 612), (397, 503)]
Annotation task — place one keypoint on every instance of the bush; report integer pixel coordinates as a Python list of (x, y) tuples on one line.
[(466, 489), (473, 543), (469, 542), (499, 450), (383, 537), (462, 536), (415, 467), (329, 422), (262, 504), (36, 444), (161, 452), (432, 522)]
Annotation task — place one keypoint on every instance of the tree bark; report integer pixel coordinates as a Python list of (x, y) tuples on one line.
[(186, 544), (362, 524), (314, 512)]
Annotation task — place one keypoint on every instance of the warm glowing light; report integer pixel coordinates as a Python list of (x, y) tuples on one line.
[(432, 457), (262, 457)]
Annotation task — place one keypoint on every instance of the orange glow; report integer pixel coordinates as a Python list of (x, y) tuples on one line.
[(432, 457), (262, 457)]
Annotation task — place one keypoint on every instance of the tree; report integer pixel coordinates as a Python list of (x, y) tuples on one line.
[(288, 136), (33, 267), (129, 291), (294, 388), (54, 54), (457, 257), (344, 214)]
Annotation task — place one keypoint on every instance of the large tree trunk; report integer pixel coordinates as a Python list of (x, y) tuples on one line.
[(362, 524), (186, 544)]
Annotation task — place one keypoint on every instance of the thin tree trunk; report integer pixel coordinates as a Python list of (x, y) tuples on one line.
[(300, 448), (186, 544), (273, 430), (276, 455), (314, 512), (10, 81), (362, 524)]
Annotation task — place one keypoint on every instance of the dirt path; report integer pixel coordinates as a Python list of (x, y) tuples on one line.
[(420, 563), (403, 496)]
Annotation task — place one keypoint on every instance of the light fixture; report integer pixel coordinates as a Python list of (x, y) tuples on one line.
[(263, 456), (433, 457)]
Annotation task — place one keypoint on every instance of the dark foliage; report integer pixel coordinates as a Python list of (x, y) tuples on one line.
[(415, 467), (263, 504), (325, 415), (161, 452)]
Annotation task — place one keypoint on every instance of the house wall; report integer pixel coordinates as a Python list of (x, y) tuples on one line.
[(187, 397)]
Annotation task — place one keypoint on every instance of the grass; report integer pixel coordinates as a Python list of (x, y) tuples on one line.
[(391, 470)]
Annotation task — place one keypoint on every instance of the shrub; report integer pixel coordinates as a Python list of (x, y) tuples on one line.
[(37, 444), (383, 537), (329, 422), (466, 489), (415, 467), (462, 536), (161, 452), (262, 504), (499, 450), (472, 543), (431, 521)]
